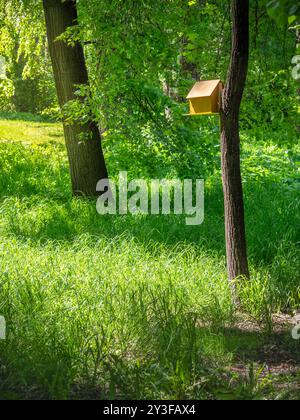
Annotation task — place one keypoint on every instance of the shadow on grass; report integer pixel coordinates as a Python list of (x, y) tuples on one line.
[(271, 225), (273, 349), (264, 355), (23, 116), (37, 205)]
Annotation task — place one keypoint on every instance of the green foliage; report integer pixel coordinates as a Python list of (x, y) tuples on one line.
[(6, 93), (29, 85), (142, 61), (284, 11)]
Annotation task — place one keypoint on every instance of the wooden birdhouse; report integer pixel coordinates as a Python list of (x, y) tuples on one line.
[(205, 97)]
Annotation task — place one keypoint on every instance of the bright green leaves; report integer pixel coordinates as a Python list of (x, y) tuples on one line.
[(29, 85)]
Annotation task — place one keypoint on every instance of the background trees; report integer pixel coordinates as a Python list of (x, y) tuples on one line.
[(141, 61), (29, 85)]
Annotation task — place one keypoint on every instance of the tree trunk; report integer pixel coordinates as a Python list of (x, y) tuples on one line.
[(83, 142), (298, 51), (236, 248)]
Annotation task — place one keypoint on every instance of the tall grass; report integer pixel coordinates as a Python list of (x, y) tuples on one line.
[(85, 310), (132, 307)]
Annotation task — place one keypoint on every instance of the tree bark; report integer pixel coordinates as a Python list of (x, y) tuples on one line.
[(83, 142), (298, 50), (236, 248)]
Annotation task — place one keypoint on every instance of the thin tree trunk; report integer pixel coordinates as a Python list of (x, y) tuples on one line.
[(83, 142), (298, 49), (236, 248)]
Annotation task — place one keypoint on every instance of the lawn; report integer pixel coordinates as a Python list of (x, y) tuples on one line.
[(140, 307)]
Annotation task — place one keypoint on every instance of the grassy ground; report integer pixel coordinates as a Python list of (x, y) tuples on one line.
[(139, 307)]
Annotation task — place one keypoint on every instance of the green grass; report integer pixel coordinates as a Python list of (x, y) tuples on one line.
[(139, 307), (30, 129)]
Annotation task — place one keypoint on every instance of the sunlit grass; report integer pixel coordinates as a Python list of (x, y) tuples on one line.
[(32, 132), (133, 307)]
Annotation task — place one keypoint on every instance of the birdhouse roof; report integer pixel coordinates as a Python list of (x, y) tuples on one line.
[(203, 89)]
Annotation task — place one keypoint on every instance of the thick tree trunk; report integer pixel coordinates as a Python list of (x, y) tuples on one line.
[(87, 165), (230, 143)]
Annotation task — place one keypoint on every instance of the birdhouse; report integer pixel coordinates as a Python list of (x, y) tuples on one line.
[(205, 97)]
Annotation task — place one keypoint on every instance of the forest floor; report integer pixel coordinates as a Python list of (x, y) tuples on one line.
[(140, 307)]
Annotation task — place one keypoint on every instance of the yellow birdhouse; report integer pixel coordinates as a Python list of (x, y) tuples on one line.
[(205, 97)]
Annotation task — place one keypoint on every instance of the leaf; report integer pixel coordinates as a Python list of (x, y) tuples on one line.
[(292, 19)]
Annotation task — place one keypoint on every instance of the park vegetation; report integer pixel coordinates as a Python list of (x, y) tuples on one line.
[(135, 306)]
